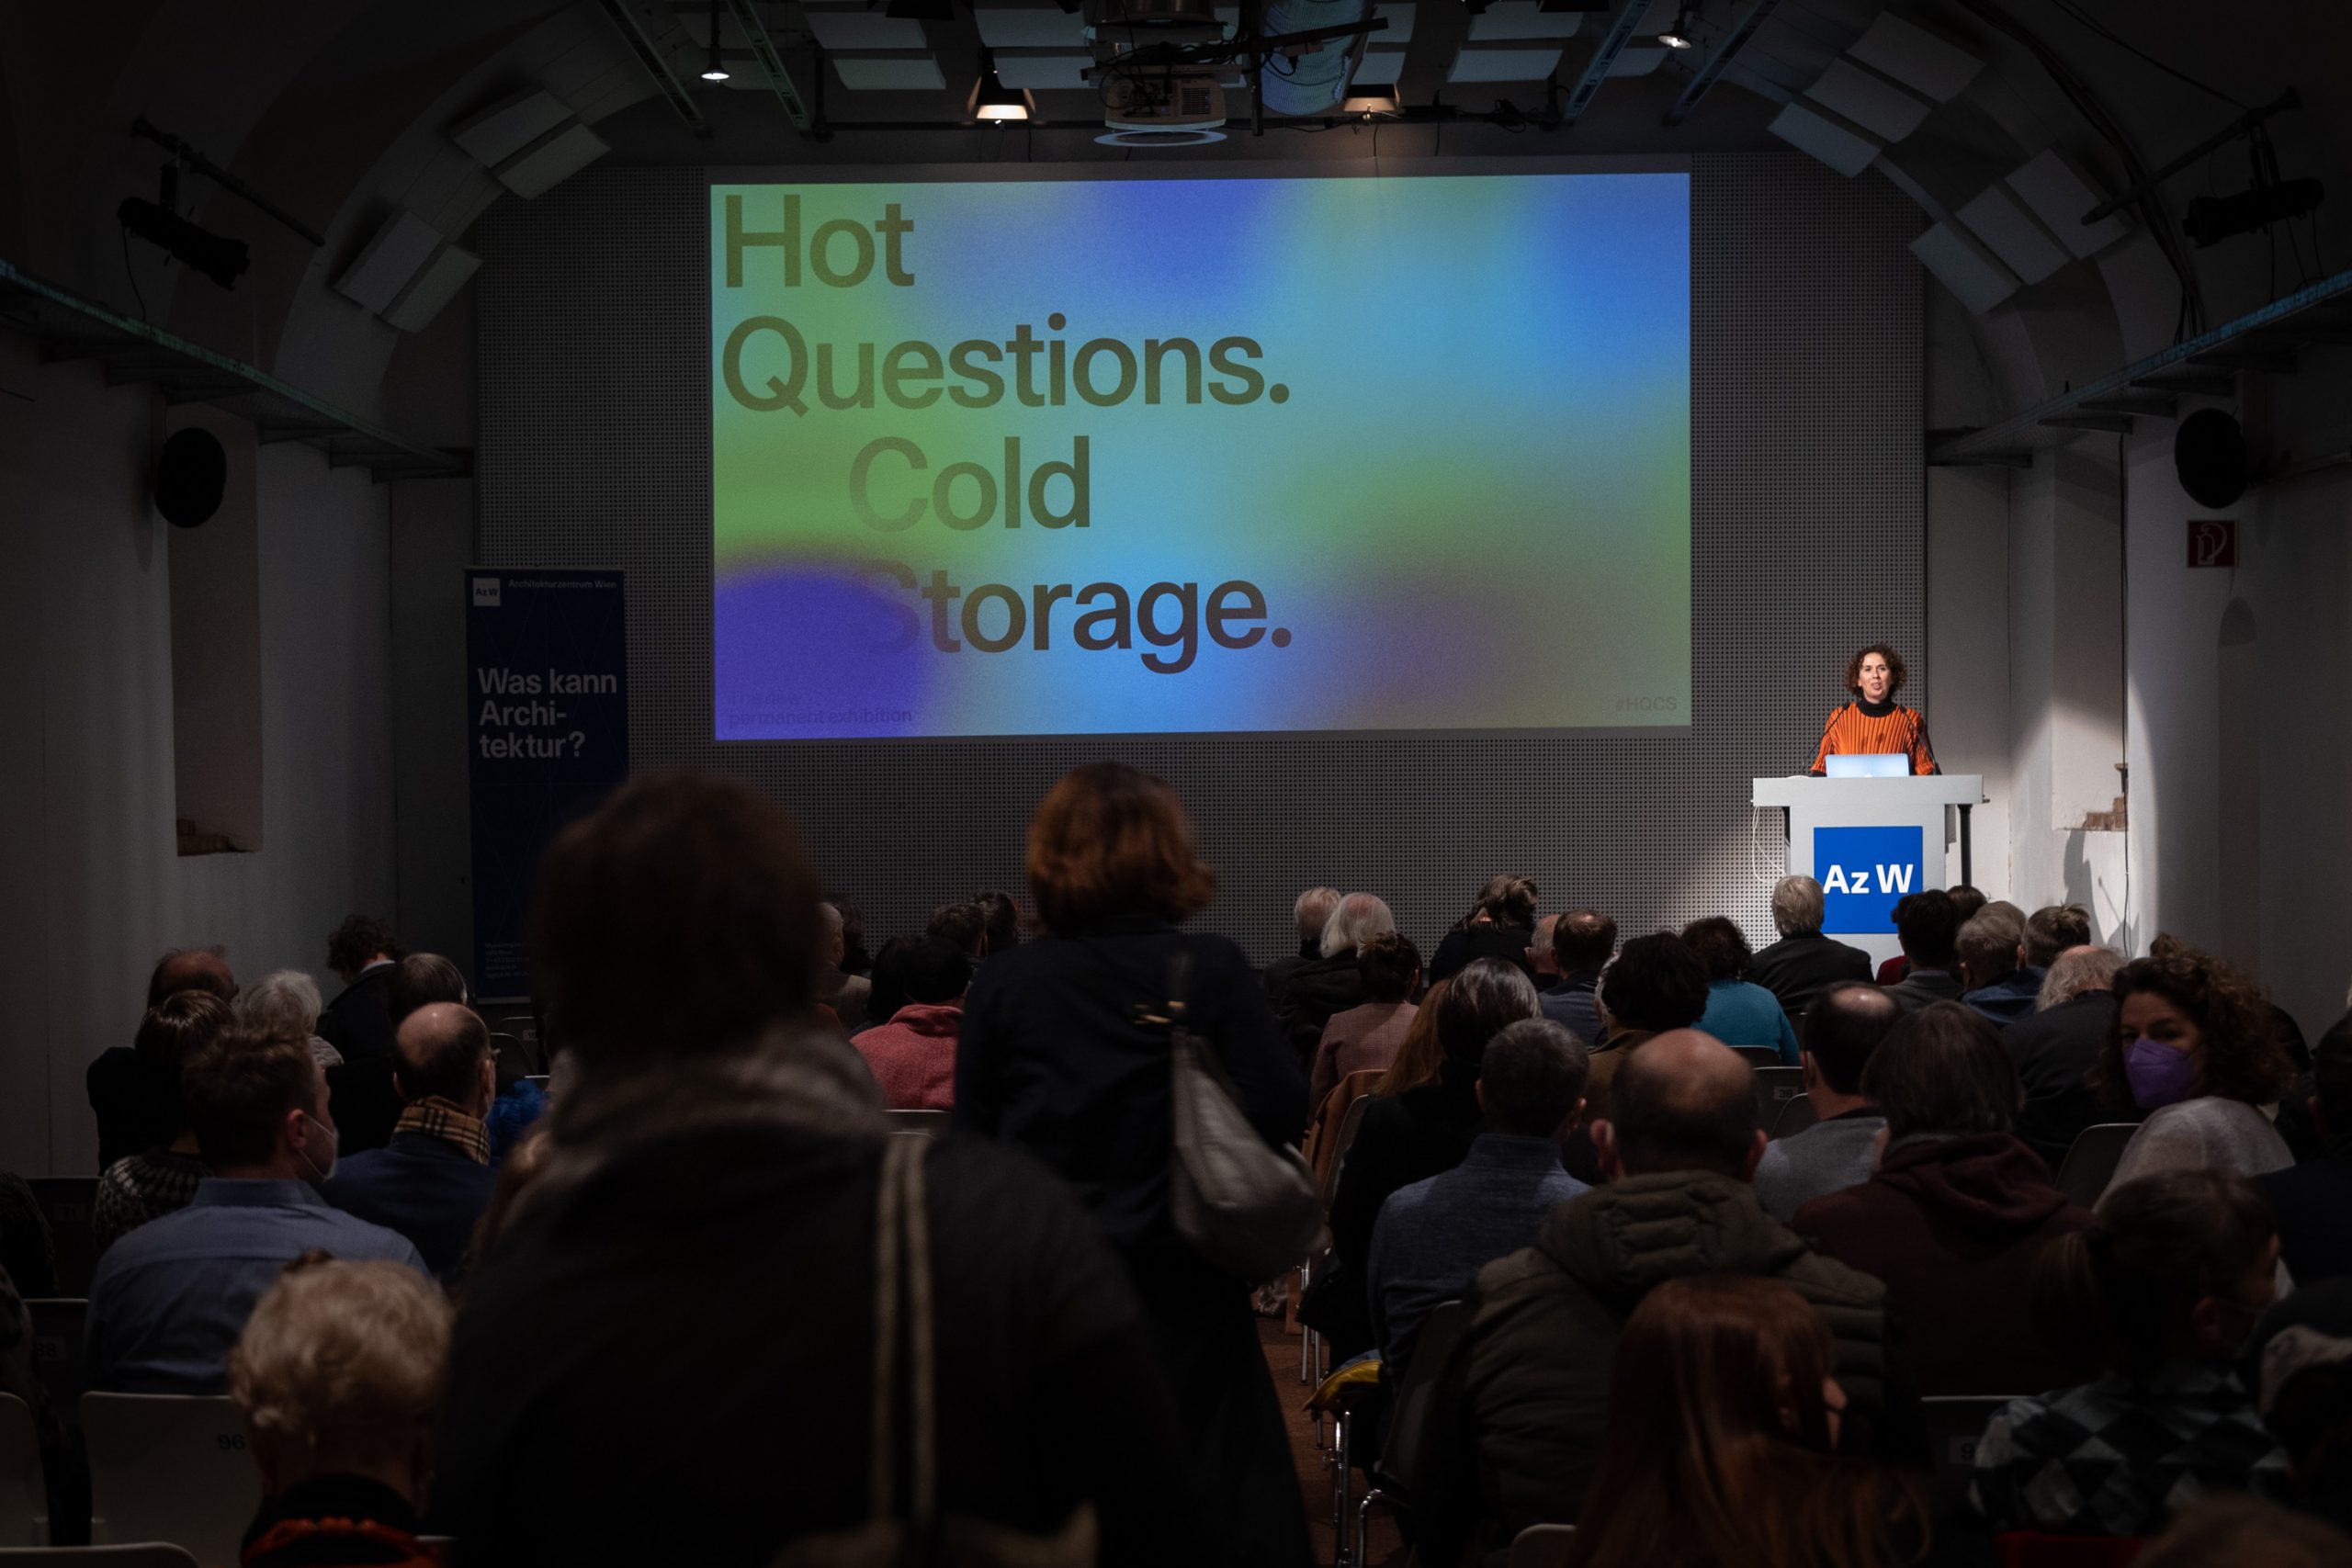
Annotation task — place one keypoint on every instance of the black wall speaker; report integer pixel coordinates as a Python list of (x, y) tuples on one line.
[(2208, 452), (190, 473)]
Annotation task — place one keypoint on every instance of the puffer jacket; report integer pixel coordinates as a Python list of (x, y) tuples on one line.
[(1532, 1395)]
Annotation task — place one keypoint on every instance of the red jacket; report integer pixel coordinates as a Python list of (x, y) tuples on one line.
[(913, 1055)]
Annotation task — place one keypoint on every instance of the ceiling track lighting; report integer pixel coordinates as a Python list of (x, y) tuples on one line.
[(714, 69), (1680, 35)]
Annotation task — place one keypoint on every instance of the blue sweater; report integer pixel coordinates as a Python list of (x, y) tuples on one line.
[(1741, 1013)]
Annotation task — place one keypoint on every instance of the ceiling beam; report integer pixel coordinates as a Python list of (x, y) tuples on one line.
[(1596, 70), (631, 25), (1719, 58), (771, 59)]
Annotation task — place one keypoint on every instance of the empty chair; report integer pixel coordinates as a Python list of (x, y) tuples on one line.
[(929, 1123), (170, 1467), (1795, 1116), (1775, 1087), (24, 1499), (145, 1554), (69, 1204), (1543, 1546), (58, 1351), (2090, 1162), (1955, 1422)]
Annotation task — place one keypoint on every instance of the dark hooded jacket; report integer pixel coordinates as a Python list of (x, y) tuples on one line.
[(1529, 1399), (1955, 1227), (1311, 994)]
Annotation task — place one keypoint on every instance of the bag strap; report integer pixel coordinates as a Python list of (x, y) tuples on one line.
[(902, 1299)]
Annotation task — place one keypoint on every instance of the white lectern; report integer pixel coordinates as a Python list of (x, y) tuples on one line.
[(1869, 841)]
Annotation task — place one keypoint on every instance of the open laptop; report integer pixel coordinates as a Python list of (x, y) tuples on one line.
[(1875, 765)]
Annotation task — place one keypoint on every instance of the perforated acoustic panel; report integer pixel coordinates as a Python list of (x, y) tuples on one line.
[(1806, 509)]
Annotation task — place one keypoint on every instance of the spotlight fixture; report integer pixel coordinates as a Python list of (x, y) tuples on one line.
[(220, 258), (714, 70), (1369, 100), (992, 100), (1679, 36)]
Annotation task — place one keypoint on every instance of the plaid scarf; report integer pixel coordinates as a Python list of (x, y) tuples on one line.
[(439, 1118)]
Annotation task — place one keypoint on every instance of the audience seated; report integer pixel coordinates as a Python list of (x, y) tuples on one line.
[(1411, 1136), (2054, 1048), (962, 923), (1842, 1032), (2052, 931), (1328, 985), (286, 1002), (1657, 984), (170, 1298), (1002, 912), (1542, 962), (28, 1250), (1724, 1416), (1993, 979), (359, 1022), (2158, 1295), (338, 1375), (1926, 924), (366, 1098), (2232, 1531), (2301, 1357), (2313, 1200), (1957, 1215), (1534, 1371), (2193, 1048), (136, 1109), (846, 993), (1309, 913), (1965, 902), (137, 1188), (1420, 1057), (912, 1054), (433, 1180), (1739, 1012), (1433, 1235), (1583, 940), (1365, 1037), (1499, 925), (1803, 963)]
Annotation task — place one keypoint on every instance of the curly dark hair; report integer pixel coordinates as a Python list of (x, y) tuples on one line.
[(1657, 984), (2243, 1060), (359, 939), (1896, 672), (1720, 946)]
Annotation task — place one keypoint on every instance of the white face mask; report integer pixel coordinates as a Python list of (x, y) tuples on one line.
[(334, 1147)]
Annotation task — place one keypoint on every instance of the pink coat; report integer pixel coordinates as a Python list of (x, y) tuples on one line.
[(913, 1055)]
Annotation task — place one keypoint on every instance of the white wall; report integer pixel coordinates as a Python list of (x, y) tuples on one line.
[(91, 888)]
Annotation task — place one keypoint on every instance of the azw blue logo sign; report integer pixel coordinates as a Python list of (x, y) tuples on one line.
[(1862, 872)]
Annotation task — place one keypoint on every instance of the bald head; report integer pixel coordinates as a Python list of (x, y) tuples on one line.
[(1684, 1101), (191, 969), (442, 1050)]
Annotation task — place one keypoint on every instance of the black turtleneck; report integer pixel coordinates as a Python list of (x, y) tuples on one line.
[(1873, 710)]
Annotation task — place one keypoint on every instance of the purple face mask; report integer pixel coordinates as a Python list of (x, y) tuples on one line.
[(2159, 1074)]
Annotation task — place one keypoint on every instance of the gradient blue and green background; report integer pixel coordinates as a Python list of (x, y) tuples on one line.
[(1473, 511)]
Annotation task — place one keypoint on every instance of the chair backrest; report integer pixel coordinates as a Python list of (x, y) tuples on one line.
[(1341, 1143), (145, 1554), (1775, 1087), (1795, 1116), (1758, 1055), (929, 1123), (57, 1347), (170, 1467), (2091, 1159), (1433, 1344), (1955, 1423), (1543, 1546), (2031, 1549), (69, 1204), (24, 1497)]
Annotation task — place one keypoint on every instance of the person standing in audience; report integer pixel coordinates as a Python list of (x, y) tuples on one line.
[(1058, 1056), (1331, 983), (1726, 1415), (169, 1299), (1499, 925), (1843, 1029), (912, 1052), (2158, 1295), (846, 993), (1656, 984), (365, 1093), (1309, 913), (2194, 1050), (1956, 1217), (1583, 940), (136, 1109), (1531, 1382), (1739, 1011), (1927, 925), (1803, 963), (1365, 1038), (359, 1022), (1993, 977), (1409, 1137), (2055, 1046), (338, 1375), (2313, 1200), (1434, 1235), (707, 1221), (285, 1001), (137, 1188), (433, 1180)]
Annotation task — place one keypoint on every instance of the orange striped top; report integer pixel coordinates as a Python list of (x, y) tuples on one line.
[(1854, 731)]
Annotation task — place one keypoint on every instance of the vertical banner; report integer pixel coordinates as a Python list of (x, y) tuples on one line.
[(546, 696)]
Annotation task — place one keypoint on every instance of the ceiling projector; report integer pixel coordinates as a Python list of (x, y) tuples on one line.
[(1152, 94)]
